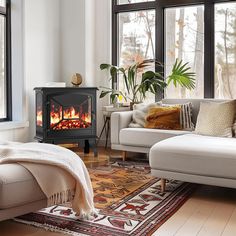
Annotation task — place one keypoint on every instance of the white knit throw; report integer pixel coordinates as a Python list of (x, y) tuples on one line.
[(60, 173)]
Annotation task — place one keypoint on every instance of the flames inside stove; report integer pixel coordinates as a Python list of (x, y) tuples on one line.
[(69, 116)]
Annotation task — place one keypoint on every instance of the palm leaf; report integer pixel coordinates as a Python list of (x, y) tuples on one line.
[(181, 75)]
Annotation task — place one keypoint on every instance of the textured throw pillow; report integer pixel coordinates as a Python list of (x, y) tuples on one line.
[(185, 115), (164, 118), (139, 114), (216, 119)]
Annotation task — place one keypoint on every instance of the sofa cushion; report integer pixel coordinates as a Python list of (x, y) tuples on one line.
[(216, 119), (17, 186), (197, 155), (164, 118), (146, 137), (195, 104), (185, 115)]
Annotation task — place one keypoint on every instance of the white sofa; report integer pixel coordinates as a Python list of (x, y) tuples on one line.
[(19, 192), (196, 158), (180, 155), (141, 139)]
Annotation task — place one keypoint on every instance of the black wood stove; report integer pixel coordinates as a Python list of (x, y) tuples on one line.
[(66, 115)]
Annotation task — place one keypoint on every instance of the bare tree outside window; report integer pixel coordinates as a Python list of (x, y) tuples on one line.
[(3, 3), (136, 40), (184, 39), (225, 50)]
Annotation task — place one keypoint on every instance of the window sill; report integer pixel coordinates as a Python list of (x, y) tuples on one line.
[(13, 125)]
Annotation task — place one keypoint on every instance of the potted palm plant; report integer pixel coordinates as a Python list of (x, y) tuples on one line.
[(138, 80)]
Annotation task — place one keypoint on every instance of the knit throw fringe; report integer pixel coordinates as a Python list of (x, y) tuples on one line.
[(61, 198), (66, 197)]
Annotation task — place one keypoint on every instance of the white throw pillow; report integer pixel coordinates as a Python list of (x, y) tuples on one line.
[(216, 119), (140, 112)]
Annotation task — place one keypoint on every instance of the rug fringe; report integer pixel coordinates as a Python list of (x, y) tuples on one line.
[(49, 227)]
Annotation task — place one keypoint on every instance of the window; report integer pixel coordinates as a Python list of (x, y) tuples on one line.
[(137, 39), (202, 33), (135, 34), (5, 95), (225, 50), (184, 39)]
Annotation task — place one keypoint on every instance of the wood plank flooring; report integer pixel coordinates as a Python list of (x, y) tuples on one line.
[(211, 211)]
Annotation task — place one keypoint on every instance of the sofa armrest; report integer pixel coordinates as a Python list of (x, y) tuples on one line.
[(119, 120)]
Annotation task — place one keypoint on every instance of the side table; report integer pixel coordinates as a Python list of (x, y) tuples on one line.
[(107, 111)]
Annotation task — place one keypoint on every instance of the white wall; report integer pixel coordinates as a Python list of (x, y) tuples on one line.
[(85, 39), (102, 51), (42, 49), (51, 41), (72, 36), (85, 33), (35, 59)]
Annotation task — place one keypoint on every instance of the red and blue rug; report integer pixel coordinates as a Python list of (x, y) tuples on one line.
[(129, 201)]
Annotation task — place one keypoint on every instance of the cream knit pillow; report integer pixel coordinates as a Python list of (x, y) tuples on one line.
[(216, 119)]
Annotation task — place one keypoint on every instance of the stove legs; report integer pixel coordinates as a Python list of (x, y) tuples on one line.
[(86, 147), (90, 143)]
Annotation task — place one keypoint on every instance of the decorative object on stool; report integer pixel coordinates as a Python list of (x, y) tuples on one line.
[(129, 200), (76, 79)]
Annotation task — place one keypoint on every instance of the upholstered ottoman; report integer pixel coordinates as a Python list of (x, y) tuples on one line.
[(196, 158), (19, 192)]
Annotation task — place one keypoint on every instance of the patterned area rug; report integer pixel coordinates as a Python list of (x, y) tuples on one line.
[(129, 201)]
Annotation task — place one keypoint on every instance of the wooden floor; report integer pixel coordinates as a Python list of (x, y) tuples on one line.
[(211, 211)]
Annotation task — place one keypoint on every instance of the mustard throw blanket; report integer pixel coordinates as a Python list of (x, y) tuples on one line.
[(60, 173)]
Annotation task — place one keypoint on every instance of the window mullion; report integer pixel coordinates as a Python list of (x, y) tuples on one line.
[(133, 7), (179, 3), (8, 61), (115, 39), (114, 34), (159, 44), (209, 45)]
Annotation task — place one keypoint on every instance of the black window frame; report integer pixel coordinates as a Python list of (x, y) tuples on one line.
[(6, 12), (159, 6)]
